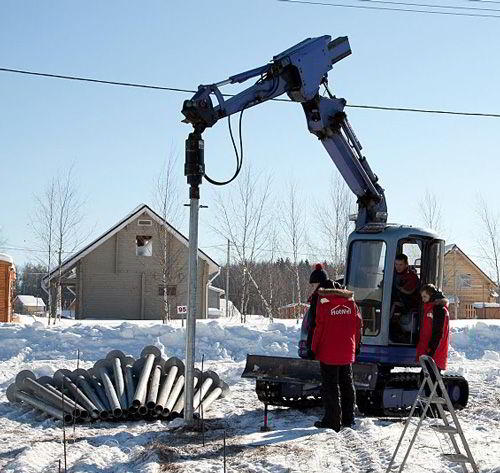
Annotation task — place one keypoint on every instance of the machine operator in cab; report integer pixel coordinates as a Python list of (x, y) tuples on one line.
[(405, 299)]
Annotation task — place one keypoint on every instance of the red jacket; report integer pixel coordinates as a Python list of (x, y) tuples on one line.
[(338, 327), (435, 332)]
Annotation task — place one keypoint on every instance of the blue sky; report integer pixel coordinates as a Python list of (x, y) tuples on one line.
[(118, 137)]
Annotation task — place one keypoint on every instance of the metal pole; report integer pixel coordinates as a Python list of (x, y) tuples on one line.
[(194, 170), (191, 315), (227, 277)]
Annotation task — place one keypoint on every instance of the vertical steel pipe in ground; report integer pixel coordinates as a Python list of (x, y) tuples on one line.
[(117, 359), (102, 369), (15, 395), (142, 368), (172, 367)]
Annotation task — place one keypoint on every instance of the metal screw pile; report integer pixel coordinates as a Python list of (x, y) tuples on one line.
[(118, 387)]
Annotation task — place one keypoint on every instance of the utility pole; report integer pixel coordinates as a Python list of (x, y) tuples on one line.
[(227, 276)]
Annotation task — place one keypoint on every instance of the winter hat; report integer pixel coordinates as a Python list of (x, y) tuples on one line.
[(318, 275)]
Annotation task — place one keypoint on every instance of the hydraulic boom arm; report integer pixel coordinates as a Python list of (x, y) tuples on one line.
[(299, 72)]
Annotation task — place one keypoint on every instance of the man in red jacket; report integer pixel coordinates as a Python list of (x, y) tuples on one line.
[(336, 340)]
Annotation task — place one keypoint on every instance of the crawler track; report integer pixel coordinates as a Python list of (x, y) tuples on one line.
[(370, 402)]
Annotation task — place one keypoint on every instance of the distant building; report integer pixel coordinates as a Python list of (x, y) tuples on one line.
[(28, 305), (7, 285), (465, 284), (292, 311), (119, 275)]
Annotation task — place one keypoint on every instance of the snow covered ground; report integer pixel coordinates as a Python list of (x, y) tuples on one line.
[(31, 443)]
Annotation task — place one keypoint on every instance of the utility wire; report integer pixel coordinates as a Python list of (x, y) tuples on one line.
[(427, 5), (380, 8), (189, 91)]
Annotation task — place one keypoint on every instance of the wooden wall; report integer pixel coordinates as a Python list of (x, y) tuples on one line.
[(455, 265), (7, 277)]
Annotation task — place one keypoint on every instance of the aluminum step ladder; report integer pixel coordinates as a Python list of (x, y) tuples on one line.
[(438, 398)]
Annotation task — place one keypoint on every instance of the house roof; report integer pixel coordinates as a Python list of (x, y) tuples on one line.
[(138, 211), (451, 247), (6, 258), (30, 301)]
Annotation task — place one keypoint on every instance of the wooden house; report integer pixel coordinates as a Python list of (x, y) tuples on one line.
[(292, 311), (119, 275), (7, 285), (465, 284)]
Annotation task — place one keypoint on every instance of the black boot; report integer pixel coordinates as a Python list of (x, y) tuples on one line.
[(321, 424)]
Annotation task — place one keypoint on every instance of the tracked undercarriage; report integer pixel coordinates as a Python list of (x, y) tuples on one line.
[(293, 382)]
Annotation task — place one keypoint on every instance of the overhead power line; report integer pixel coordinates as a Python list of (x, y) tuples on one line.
[(431, 5), (190, 91), (382, 8)]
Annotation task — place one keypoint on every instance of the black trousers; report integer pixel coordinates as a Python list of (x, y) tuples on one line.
[(339, 396)]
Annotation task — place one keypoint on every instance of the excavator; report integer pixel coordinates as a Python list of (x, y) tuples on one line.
[(384, 383)]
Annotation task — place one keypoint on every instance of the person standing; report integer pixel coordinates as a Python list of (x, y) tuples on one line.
[(434, 336), (318, 279), (336, 341)]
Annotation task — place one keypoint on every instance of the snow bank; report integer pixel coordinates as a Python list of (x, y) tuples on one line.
[(216, 341), (477, 339)]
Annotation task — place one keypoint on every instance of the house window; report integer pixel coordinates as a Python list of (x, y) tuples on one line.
[(144, 223), (464, 281), (143, 245), (171, 290)]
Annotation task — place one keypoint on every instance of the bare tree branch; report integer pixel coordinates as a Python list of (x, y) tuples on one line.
[(167, 203), (430, 212), (489, 239), (57, 224), (334, 224), (243, 216), (294, 226)]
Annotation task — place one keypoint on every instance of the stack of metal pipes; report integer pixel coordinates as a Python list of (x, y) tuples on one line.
[(118, 387)]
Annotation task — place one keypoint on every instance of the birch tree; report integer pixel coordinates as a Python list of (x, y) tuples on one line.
[(294, 226), (167, 203), (57, 224), (334, 225), (489, 239), (43, 225), (243, 216), (430, 212), (69, 230)]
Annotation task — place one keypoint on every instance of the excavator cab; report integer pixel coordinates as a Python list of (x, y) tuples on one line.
[(391, 329)]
